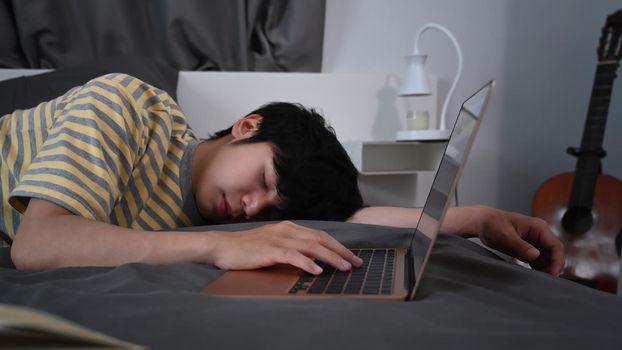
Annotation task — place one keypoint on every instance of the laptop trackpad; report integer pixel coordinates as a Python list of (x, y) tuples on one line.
[(274, 280)]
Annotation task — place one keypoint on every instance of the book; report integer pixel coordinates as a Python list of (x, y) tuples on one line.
[(26, 328)]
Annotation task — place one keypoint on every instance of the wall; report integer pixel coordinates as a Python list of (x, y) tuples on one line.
[(542, 54)]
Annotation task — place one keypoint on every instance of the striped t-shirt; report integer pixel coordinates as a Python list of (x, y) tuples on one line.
[(116, 150)]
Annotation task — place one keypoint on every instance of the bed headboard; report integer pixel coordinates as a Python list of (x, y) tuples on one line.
[(358, 106)]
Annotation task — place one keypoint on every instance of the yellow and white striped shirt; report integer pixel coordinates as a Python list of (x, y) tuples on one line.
[(116, 150)]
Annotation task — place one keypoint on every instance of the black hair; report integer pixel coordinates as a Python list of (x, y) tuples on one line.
[(316, 178)]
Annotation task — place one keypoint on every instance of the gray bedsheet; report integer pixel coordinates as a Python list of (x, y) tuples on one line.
[(469, 298)]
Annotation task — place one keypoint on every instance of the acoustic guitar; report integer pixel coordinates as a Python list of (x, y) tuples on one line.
[(584, 208)]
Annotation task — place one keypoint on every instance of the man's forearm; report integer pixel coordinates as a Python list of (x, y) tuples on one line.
[(388, 216), (69, 240), (464, 221), (458, 220)]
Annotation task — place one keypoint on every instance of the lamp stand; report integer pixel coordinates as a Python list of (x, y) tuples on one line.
[(442, 133)]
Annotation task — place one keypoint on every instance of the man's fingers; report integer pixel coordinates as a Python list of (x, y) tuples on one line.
[(514, 245), (541, 236), (318, 251), (296, 258), (326, 240), (557, 261), (331, 243), (298, 246)]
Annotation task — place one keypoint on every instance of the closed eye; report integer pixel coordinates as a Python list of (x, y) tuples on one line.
[(264, 181)]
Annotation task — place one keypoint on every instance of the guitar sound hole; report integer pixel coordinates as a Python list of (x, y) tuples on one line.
[(577, 220)]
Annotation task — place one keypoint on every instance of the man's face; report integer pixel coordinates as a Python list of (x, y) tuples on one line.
[(239, 184)]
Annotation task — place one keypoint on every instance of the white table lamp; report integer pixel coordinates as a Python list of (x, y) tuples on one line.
[(416, 84)]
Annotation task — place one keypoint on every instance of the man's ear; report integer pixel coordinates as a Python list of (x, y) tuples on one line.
[(246, 127)]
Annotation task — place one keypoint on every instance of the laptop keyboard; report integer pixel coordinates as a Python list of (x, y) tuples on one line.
[(375, 276)]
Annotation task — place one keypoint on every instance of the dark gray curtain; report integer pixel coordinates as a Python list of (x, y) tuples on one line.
[(228, 35)]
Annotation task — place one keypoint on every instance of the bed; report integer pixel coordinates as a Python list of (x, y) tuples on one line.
[(469, 298)]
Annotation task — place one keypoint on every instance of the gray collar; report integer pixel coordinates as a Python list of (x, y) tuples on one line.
[(185, 179)]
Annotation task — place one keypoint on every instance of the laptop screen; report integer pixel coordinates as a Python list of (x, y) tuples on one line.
[(452, 163)]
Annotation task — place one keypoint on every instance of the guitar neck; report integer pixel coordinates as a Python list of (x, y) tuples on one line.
[(588, 163), (596, 120)]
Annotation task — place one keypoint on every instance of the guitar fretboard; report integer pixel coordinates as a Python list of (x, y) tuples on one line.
[(588, 163)]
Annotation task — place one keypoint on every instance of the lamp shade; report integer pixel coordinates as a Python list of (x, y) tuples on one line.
[(416, 79)]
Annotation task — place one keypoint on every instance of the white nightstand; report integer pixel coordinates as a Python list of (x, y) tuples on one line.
[(395, 173)]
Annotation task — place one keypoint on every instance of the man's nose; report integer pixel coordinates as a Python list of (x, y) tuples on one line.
[(253, 204)]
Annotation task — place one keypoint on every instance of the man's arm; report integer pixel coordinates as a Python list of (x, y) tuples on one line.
[(527, 238), (387, 216), (50, 236), (458, 220)]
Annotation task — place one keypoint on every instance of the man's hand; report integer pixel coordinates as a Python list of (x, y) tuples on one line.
[(285, 243), (527, 238)]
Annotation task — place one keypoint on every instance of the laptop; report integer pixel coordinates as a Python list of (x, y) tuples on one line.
[(387, 273)]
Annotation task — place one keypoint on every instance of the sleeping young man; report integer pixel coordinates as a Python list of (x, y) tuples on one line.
[(103, 174)]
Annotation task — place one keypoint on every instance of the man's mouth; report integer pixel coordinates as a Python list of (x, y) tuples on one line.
[(223, 208)]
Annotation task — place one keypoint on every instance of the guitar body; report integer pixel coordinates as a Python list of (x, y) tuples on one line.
[(584, 208), (591, 257)]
